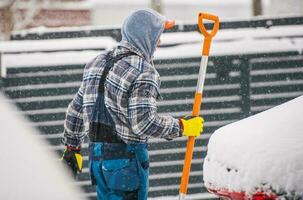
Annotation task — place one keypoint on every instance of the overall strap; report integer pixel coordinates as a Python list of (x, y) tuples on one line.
[(109, 64), (101, 131)]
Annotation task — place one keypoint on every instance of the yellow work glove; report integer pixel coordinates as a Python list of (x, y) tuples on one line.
[(73, 159), (192, 126)]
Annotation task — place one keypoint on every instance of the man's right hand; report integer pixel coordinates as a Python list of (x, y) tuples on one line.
[(73, 158), (192, 126)]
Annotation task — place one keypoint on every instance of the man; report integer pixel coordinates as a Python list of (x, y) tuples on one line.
[(116, 106)]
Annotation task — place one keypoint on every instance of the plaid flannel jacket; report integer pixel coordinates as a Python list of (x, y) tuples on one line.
[(131, 91)]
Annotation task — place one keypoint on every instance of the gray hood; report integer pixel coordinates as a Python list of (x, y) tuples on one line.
[(142, 29)]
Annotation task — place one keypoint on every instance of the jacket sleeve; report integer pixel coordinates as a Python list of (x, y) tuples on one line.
[(142, 109), (73, 125)]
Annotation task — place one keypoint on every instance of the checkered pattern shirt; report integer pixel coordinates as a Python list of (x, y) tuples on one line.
[(131, 91)]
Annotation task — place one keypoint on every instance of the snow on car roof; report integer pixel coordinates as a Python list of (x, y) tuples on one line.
[(263, 151)]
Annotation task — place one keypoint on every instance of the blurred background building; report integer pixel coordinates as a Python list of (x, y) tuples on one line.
[(24, 14)]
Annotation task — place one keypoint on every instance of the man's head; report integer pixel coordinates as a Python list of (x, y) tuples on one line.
[(143, 29)]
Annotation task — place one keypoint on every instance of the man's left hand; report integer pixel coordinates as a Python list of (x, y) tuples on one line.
[(73, 158)]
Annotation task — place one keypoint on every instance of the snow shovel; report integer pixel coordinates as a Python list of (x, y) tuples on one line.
[(198, 95)]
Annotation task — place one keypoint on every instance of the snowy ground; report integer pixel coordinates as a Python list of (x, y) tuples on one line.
[(189, 197), (264, 151)]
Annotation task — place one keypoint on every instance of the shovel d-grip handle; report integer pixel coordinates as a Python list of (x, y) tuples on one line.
[(208, 35)]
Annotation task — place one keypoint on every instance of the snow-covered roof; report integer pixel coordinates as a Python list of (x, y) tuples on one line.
[(264, 151)]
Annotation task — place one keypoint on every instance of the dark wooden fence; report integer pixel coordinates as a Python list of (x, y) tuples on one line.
[(236, 86)]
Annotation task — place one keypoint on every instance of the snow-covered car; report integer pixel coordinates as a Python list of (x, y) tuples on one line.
[(260, 157)]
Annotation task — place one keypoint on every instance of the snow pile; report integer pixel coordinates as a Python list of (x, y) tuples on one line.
[(264, 151), (28, 169)]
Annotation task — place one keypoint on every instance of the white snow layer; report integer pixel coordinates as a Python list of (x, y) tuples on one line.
[(48, 59), (261, 151), (28, 169), (184, 45), (57, 44), (233, 42)]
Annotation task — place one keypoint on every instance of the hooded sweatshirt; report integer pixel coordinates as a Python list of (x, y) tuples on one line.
[(131, 87), (143, 29)]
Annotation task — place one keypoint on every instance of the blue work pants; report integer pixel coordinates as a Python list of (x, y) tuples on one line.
[(119, 171)]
